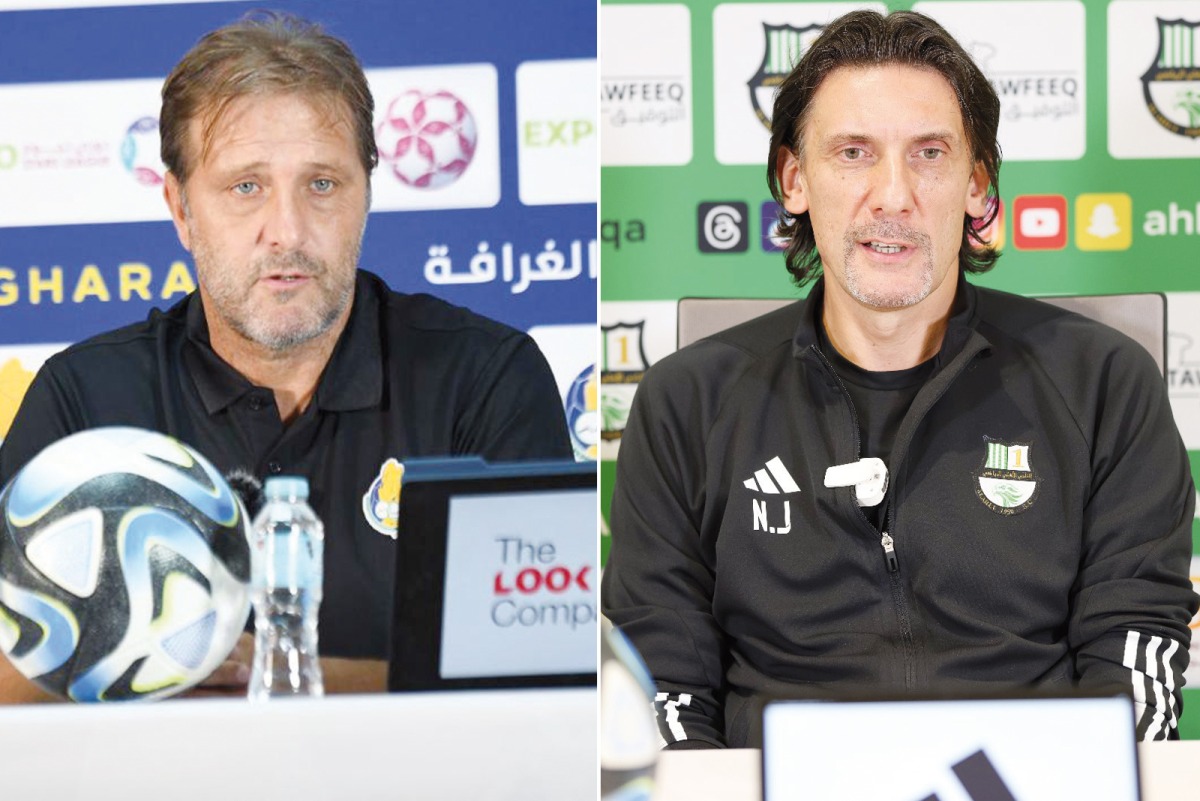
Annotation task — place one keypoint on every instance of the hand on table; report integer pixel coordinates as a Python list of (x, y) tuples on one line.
[(231, 676)]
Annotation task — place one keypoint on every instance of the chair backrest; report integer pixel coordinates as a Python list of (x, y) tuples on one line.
[(1142, 316), (697, 318)]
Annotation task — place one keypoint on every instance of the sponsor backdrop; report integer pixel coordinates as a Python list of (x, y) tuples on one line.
[(490, 204), (1100, 188)]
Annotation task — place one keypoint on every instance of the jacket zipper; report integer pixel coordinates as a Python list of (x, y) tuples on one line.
[(886, 541), (889, 547), (899, 596), (889, 553), (899, 601)]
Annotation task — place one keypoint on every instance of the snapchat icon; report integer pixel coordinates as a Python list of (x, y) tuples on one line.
[(1104, 221)]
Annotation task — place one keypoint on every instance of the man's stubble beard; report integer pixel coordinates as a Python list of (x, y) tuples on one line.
[(280, 327), (865, 289)]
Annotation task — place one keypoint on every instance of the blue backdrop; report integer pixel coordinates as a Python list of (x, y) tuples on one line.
[(144, 42)]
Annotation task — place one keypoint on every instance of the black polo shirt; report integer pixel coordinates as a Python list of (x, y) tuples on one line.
[(410, 376)]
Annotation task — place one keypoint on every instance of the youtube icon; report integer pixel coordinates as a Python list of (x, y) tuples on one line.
[(1039, 222)]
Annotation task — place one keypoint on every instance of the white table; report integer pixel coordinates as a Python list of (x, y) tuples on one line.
[(499, 745), (1170, 771)]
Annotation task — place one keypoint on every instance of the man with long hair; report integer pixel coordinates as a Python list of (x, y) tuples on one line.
[(904, 483)]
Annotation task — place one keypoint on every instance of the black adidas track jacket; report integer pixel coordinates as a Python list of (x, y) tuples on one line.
[(1039, 515)]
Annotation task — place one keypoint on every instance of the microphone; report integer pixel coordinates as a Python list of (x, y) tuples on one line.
[(869, 477), (248, 488)]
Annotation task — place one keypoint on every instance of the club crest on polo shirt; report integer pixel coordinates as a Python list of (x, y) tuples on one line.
[(381, 501), (771, 506), (1006, 482)]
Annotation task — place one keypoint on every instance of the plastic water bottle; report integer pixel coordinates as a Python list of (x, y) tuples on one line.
[(287, 549)]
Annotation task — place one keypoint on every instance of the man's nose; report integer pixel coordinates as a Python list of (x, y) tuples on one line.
[(892, 187), (284, 224)]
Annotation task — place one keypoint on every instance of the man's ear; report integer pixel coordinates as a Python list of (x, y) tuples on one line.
[(173, 194), (977, 187), (791, 182)]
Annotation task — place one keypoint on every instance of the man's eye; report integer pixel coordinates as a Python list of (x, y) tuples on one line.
[(323, 185), (852, 153), (931, 153), (245, 188)]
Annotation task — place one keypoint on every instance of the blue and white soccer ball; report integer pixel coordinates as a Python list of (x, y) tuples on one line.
[(629, 739), (124, 567)]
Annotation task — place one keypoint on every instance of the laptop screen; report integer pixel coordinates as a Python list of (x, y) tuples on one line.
[(1013, 749), (495, 576)]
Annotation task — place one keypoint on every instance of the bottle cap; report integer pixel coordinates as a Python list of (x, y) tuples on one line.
[(280, 488)]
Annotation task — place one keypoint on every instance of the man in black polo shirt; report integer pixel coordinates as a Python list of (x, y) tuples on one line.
[(289, 359)]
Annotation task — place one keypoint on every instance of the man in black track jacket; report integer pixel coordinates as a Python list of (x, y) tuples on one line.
[(903, 483)]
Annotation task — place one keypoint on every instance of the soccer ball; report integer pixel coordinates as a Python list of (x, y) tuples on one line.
[(139, 152), (629, 739), (428, 139), (124, 567)]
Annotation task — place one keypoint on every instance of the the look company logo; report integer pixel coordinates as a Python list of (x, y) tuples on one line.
[(530, 570), (1005, 482), (782, 47), (1040, 222), (1171, 87), (723, 227), (772, 479), (428, 139)]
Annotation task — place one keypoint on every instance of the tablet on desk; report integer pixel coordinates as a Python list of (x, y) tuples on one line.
[(495, 576), (997, 749)]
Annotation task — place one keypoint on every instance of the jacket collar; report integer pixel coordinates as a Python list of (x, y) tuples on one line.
[(353, 378), (963, 321)]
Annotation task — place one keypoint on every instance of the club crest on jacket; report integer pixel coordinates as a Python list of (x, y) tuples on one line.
[(1006, 482)]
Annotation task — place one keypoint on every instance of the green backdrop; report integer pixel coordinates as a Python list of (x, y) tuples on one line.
[(651, 226)]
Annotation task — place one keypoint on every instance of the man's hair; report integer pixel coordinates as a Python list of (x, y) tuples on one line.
[(868, 39), (263, 53)]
